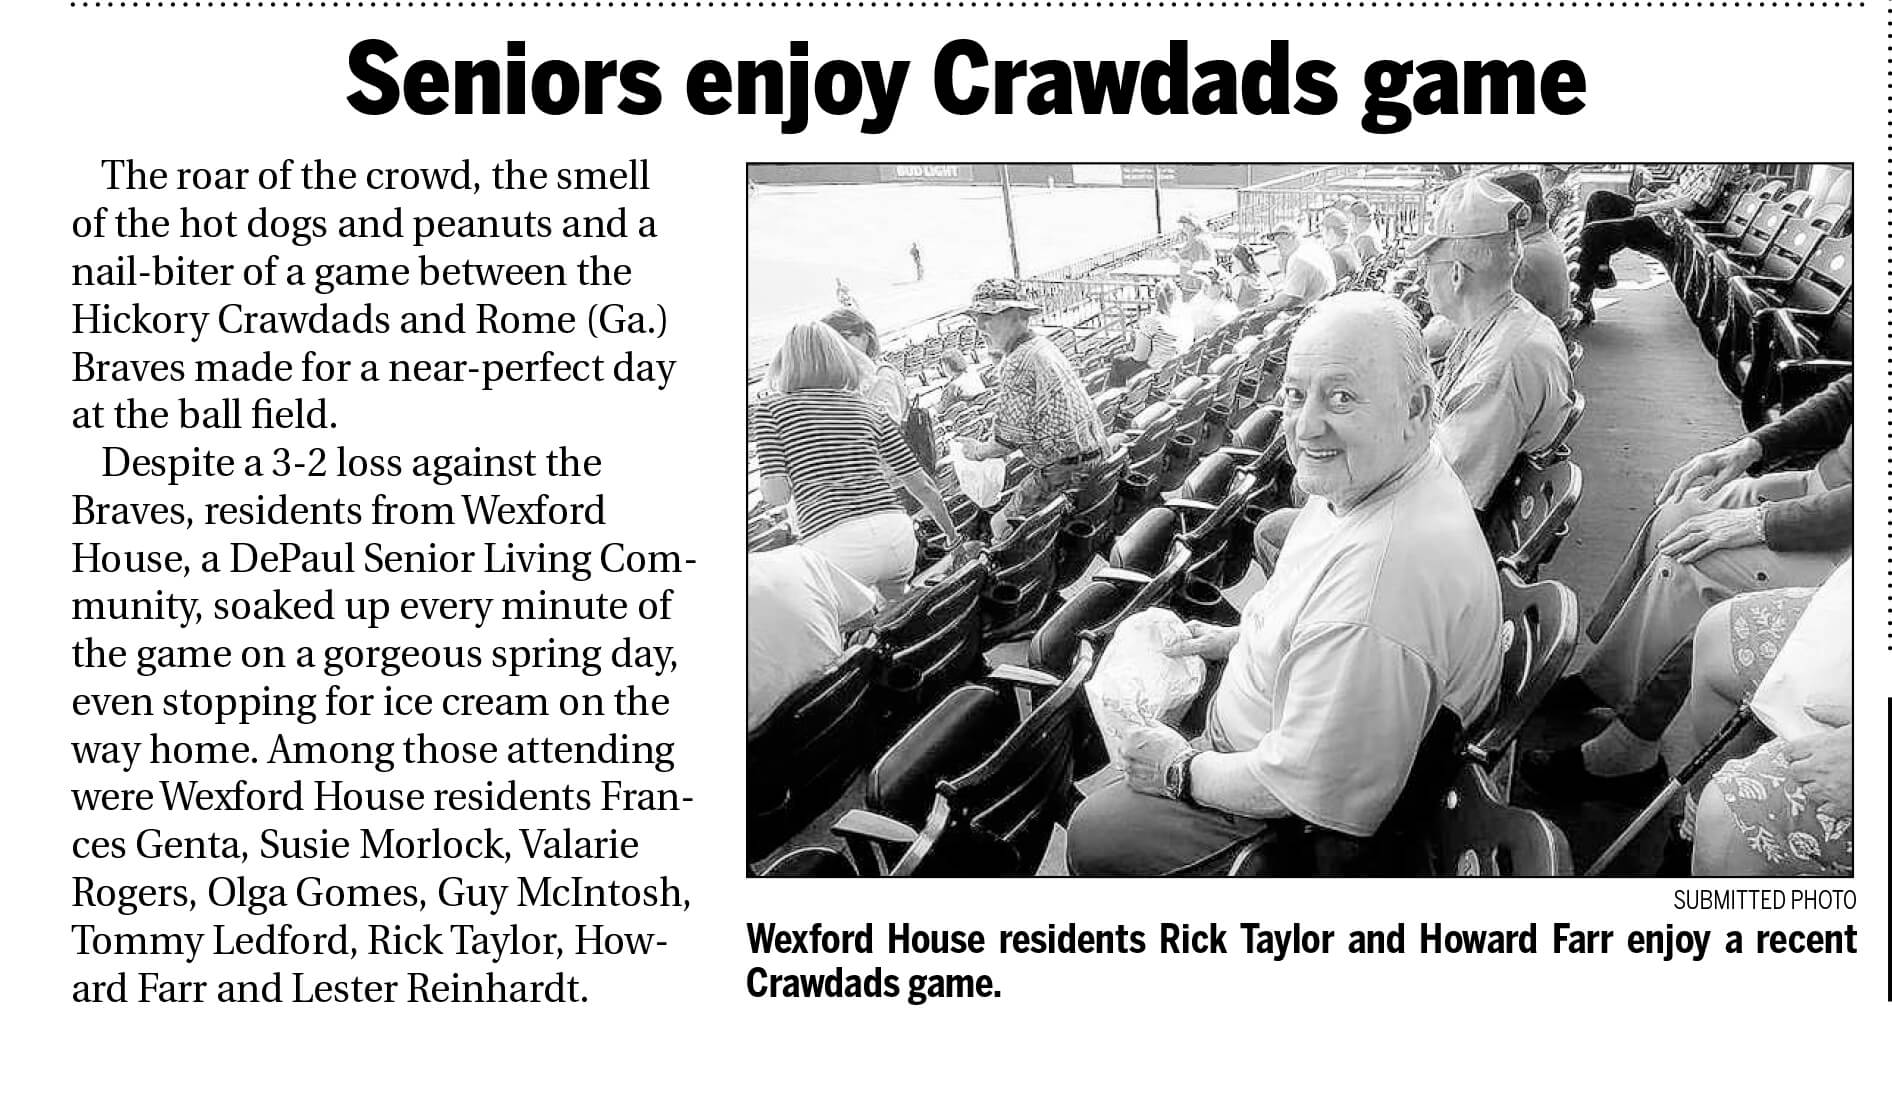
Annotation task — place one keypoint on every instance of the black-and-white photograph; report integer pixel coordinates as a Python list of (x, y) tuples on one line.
[(1300, 519)]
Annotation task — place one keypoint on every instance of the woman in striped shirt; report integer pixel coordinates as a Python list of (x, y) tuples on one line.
[(838, 457)]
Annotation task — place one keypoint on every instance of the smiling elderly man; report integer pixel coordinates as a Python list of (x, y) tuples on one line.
[(1381, 618)]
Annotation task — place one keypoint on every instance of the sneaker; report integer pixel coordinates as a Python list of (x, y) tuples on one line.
[(1605, 279), (1558, 776)]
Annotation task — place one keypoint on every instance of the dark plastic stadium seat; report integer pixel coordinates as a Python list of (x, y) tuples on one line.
[(980, 783), (1529, 514), (805, 754), (1747, 293), (933, 638), (1814, 302), (1478, 834), (1088, 529), (1024, 569)]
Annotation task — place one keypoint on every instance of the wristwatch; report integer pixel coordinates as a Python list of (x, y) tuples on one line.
[(1176, 779)]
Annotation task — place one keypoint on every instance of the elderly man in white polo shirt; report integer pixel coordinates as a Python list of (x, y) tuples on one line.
[(1381, 618)]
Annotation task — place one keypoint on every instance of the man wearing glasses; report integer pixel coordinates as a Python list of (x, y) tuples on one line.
[(1307, 272), (1504, 387)]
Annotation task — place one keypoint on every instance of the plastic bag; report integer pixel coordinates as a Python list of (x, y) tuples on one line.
[(1136, 684), (982, 481)]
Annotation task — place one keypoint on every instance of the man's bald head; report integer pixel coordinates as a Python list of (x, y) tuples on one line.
[(1358, 396), (1367, 329)]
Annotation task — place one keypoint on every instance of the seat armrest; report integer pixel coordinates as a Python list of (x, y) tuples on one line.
[(1024, 676), (1196, 505), (1121, 575), (875, 841)]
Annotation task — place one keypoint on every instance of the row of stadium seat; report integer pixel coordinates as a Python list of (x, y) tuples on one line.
[(1770, 286), (924, 812)]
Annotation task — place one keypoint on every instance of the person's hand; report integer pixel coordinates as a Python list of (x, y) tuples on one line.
[(1147, 752), (1212, 642), (1712, 532), (1823, 764), (1710, 471)]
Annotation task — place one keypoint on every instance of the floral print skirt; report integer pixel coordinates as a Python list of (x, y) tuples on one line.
[(1777, 820)]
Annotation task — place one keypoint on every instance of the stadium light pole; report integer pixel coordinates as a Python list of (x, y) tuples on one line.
[(1156, 188), (1011, 231)]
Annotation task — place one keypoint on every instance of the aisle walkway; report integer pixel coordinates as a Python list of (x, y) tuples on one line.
[(1653, 402)]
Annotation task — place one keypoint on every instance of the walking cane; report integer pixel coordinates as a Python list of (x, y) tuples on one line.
[(1683, 776)]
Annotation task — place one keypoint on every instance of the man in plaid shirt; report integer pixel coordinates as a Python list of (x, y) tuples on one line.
[(1043, 410), (1612, 222)]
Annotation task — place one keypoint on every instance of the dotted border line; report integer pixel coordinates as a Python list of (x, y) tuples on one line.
[(967, 4)]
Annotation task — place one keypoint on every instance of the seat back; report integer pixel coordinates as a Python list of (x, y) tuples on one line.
[(1191, 399), (1530, 513), (1136, 397), (1834, 217), (1478, 834), (1788, 251), (1536, 640), (804, 755), (1761, 232), (997, 818), (1024, 570), (1259, 429), (1826, 278), (933, 638), (1210, 479)]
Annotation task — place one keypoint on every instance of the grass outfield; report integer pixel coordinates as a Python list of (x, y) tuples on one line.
[(802, 238)]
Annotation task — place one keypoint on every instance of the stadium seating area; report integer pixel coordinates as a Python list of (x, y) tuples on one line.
[(963, 767)]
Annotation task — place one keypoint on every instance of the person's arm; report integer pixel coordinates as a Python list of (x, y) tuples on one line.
[(921, 486), (1817, 425), (1351, 707), (771, 457), (1813, 523), (776, 489)]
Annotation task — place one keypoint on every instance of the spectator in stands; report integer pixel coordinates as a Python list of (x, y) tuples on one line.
[(1612, 222), (1246, 287), (1335, 227), (1212, 306), (881, 384), (962, 380), (1715, 533), (1366, 238), (1560, 194), (1307, 274), (1382, 619), (823, 446), (1196, 247), (799, 606), (1156, 338), (1543, 276), (1504, 388), (1043, 409)]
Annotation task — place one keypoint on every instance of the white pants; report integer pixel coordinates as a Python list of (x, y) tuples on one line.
[(877, 549)]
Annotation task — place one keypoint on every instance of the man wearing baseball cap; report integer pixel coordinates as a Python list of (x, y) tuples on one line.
[(1043, 409), (1543, 276), (1307, 273), (1505, 386)]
